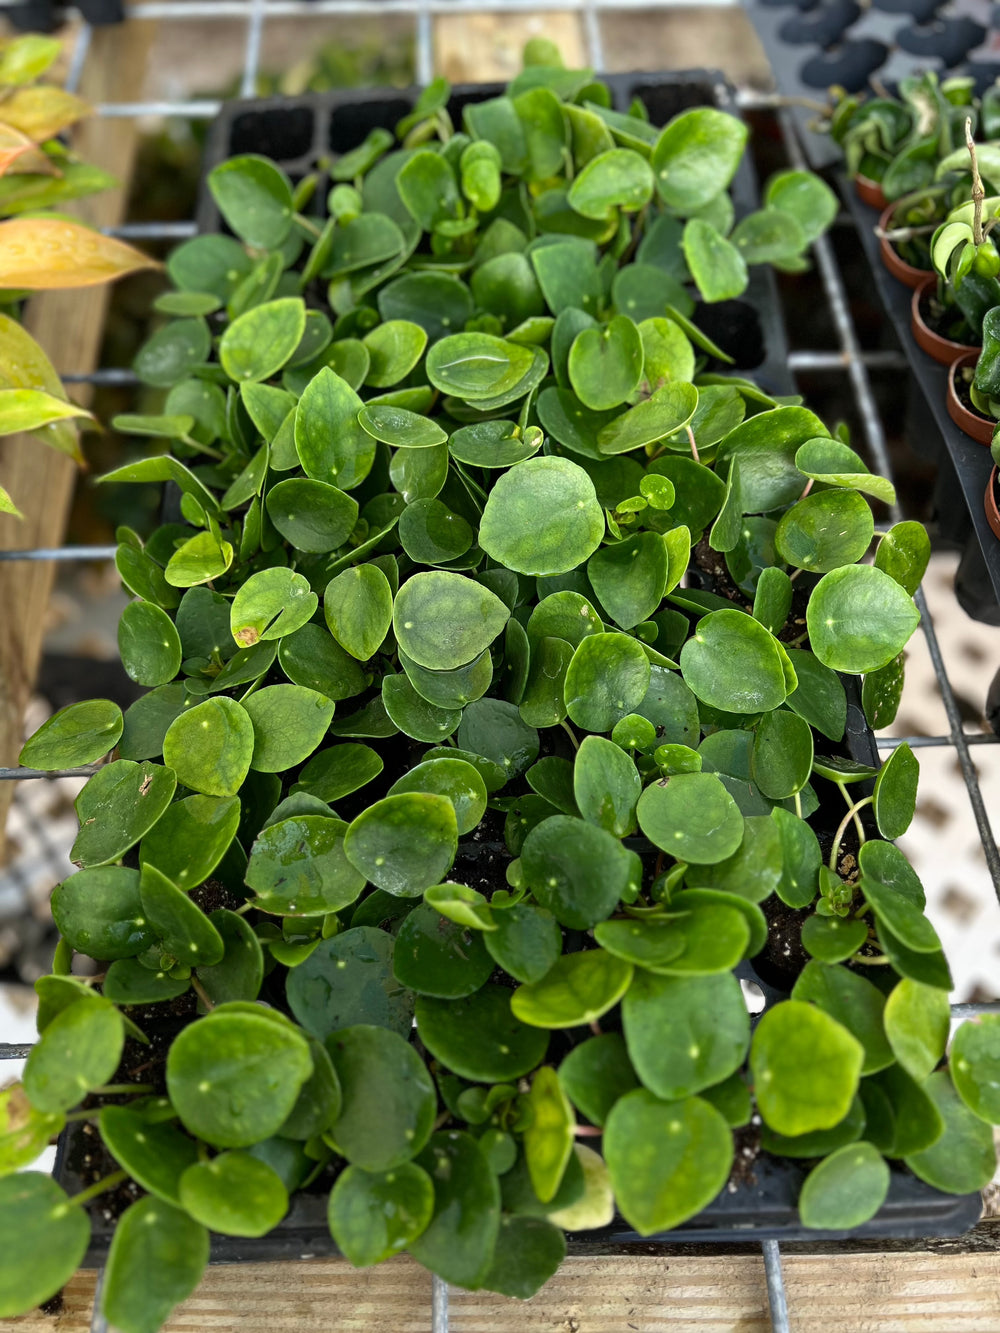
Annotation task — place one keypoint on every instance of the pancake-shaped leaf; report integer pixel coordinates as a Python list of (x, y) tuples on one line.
[(78, 1051), (404, 843), (149, 644), (526, 943), (394, 348), (271, 604), (754, 869), (118, 805), (259, 342), (825, 530), (607, 678), (357, 605), (773, 598), (573, 526), (716, 935), (801, 859), (312, 657), (234, 1076), (440, 302), (903, 554), (331, 444), (606, 785), (685, 1034), (190, 839), (669, 410), (289, 722), (782, 756), (859, 619), (836, 464), (239, 973), (903, 918), (854, 1002), (299, 867), (896, 792), (336, 772), (480, 1037), (475, 366), (696, 156), (493, 444), (805, 1068), (734, 664), (578, 989), (44, 1239), (400, 427), (156, 1260), (831, 939), (975, 1064), (649, 943), (435, 956), (629, 578), (154, 1155), (413, 715), (605, 364), (768, 236), (78, 734), (459, 1243), (596, 1073), (183, 929), (99, 913), (128, 982), (964, 1158), (198, 560), (444, 620), (806, 197), (845, 1189), (234, 1194), (668, 1160), (548, 1137), (692, 816), (717, 266), (917, 1020), (820, 1141), (912, 1121), (375, 1214), (210, 747), (882, 692), (819, 696), (389, 1101), (618, 178), (173, 352), (312, 515), (576, 870), (349, 980), (454, 778), (527, 1253), (255, 198)]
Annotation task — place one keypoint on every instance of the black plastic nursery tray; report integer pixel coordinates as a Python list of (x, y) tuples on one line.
[(302, 133), (814, 45), (970, 463)]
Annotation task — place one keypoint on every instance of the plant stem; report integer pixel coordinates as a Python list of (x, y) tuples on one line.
[(72, 1116), (808, 488), (245, 908), (851, 814), (694, 447), (798, 805), (92, 1191), (202, 993), (587, 1131), (118, 1089), (857, 822), (875, 960), (570, 733), (202, 448), (978, 193)]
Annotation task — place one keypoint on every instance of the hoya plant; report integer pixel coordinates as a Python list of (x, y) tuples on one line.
[(966, 258), (41, 249), (499, 650)]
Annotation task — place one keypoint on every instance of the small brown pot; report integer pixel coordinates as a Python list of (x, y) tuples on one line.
[(906, 273), (975, 425), (870, 192), (990, 503), (943, 350)]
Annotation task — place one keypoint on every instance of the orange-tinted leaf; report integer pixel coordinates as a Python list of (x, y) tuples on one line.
[(41, 113), (16, 147), (38, 254)]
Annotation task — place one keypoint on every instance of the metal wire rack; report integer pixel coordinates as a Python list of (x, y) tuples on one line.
[(850, 360)]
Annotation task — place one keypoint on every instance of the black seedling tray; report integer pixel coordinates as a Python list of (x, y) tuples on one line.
[(965, 465), (302, 133), (815, 44), (44, 15)]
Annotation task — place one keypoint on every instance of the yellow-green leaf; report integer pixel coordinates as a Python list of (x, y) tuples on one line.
[(38, 254), (41, 113), (28, 409)]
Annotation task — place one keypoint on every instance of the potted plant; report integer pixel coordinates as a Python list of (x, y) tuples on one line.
[(496, 657), (41, 249)]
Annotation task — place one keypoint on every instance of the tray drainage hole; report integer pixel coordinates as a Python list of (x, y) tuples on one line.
[(850, 65), (753, 996)]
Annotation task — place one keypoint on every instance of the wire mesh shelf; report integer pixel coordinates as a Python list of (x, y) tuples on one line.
[(849, 360)]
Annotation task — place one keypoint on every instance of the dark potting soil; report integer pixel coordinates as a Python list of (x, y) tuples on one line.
[(946, 323), (746, 1150), (962, 380)]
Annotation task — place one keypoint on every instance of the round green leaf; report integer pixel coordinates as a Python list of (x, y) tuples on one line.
[(619, 178), (149, 644), (184, 930), (754, 869), (211, 747), (454, 778), (510, 531), (349, 980), (289, 722), (234, 1077), (373, 1215), (903, 553), (239, 973), (413, 715), (99, 913), (835, 464), (845, 1189), (855, 1002), (964, 1158), (198, 560), (607, 679), (172, 352), (312, 657), (696, 156), (896, 792), (578, 989), (668, 1160), (528, 1252), (25, 1132), (526, 942), (782, 756), (606, 785), (338, 771), (299, 867), (667, 411), (435, 956), (575, 870), (312, 515), (78, 734), (685, 1033), (255, 198), (44, 1239), (831, 939), (445, 620), (460, 1241), (596, 1073), (805, 1068), (404, 843), (692, 816), (156, 1260), (825, 530), (917, 1020), (479, 1037), (475, 366), (859, 619), (975, 1063), (234, 1194), (190, 839), (733, 663), (120, 803), (331, 444), (717, 266), (389, 1099), (272, 603), (357, 605), (79, 1050), (605, 364), (807, 197), (259, 342), (128, 982), (154, 1155), (400, 427), (649, 943), (394, 347), (629, 578)]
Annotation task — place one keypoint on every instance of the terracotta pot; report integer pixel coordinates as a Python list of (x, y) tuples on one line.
[(870, 192), (943, 350), (975, 425), (992, 509), (906, 273)]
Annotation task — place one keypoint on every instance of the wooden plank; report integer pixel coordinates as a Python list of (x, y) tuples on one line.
[(69, 326), (904, 1293), (485, 48)]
